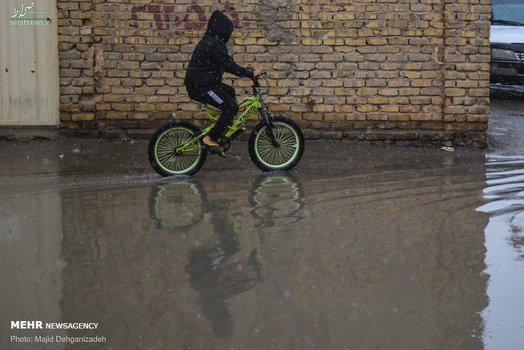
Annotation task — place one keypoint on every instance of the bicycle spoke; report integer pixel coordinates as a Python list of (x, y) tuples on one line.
[(167, 154), (286, 150)]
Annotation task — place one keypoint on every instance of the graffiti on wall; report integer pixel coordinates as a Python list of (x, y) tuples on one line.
[(192, 17)]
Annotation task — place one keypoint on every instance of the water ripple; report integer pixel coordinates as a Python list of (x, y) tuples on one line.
[(504, 241), (505, 186)]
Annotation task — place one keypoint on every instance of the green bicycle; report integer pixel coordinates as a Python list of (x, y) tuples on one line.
[(276, 143)]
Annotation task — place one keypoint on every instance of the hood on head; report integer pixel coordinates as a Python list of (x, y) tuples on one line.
[(220, 26)]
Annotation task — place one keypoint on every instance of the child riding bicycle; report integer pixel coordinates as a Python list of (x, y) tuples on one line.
[(203, 79)]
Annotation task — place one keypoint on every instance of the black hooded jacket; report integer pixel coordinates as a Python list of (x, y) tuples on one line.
[(210, 58)]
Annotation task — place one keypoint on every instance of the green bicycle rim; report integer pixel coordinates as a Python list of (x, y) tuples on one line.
[(177, 205), (271, 156), (164, 151)]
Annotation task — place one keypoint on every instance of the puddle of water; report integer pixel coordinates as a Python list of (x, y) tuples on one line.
[(383, 258), (505, 252), (389, 249), (30, 263)]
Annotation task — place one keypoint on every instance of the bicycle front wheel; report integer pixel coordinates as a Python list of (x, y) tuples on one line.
[(166, 157), (282, 155)]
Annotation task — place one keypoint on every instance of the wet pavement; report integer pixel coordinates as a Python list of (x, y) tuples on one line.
[(358, 247)]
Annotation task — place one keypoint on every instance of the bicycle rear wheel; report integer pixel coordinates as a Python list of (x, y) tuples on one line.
[(163, 154), (283, 156)]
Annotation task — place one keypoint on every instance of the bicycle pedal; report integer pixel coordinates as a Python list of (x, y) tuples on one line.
[(216, 150)]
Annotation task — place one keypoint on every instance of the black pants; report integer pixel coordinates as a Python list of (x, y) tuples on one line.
[(223, 98)]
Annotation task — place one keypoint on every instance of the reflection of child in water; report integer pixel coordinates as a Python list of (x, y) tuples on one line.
[(224, 267)]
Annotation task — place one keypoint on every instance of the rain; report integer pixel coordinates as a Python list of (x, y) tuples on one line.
[(359, 246)]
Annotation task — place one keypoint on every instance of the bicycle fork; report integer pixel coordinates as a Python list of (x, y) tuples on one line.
[(268, 119)]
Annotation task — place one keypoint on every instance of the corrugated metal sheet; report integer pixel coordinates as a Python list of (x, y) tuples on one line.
[(29, 82)]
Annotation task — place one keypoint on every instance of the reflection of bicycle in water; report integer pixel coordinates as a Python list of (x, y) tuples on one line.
[(276, 200), (178, 205), (227, 262)]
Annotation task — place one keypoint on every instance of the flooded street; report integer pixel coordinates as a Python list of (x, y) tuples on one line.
[(505, 255), (358, 247), (504, 234)]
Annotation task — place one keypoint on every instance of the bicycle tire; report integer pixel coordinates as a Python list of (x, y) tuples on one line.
[(178, 205), (266, 156), (162, 145), (276, 200)]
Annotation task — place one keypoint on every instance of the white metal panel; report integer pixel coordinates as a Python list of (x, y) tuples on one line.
[(29, 82)]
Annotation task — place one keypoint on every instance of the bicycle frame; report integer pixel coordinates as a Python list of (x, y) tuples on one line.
[(251, 105), (276, 143)]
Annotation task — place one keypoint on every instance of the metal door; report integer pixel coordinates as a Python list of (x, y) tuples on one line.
[(29, 82)]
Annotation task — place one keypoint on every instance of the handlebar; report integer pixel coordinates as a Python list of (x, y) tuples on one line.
[(255, 79), (256, 83)]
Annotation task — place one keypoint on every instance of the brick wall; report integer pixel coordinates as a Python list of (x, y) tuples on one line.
[(412, 71)]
